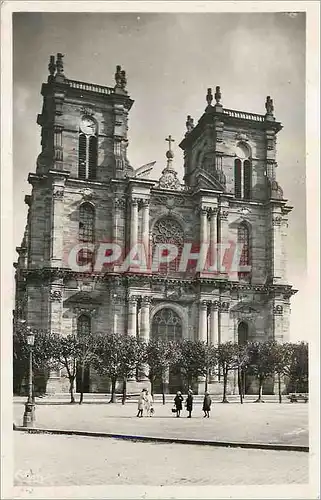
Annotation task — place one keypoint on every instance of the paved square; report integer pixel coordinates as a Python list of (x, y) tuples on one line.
[(51, 460), (268, 423)]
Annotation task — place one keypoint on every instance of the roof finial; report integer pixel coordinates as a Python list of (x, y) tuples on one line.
[(218, 95), (51, 68), (123, 78), (269, 106), (209, 97), (169, 153), (60, 67), (118, 76), (169, 178), (189, 124)]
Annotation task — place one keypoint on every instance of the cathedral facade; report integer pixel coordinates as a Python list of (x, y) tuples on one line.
[(85, 194)]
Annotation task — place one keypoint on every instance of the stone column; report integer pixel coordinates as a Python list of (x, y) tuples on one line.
[(213, 333), (55, 326), (277, 248), (202, 321), (144, 333), (203, 226), (56, 251), (55, 297), (223, 238), (118, 221), (133, 223), (213, 239), (202, 336), (144, 319), (145, 229), (278, 321), (224, 323), (132, 316)]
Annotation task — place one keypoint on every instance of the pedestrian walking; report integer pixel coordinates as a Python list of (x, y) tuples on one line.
[(207, 405), (149, 403), (189, 403), (141, 404), (178, 402)]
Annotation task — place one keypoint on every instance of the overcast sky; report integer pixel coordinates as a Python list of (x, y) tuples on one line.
[(170, 61)]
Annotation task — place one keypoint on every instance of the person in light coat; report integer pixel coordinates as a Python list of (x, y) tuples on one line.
[(141, 404), (149, 403)]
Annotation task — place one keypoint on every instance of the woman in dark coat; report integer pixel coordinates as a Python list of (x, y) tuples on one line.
[(207, 405), (189, 403), (178, 402)]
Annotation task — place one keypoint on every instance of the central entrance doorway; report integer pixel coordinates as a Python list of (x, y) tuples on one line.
[(167, 325)]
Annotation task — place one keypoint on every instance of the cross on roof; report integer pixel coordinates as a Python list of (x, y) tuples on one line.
[(170, 140)]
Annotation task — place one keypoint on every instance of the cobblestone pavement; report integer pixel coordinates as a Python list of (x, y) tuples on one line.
[(51, 460), (256, 423)]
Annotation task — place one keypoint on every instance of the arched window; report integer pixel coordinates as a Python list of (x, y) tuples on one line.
[(87, 149), (83, 325), (82, 157), (167, 325), (247, 179), (168, 230), (238, 178), (243, 172), (86, 223), (92, 157), (243, 238)]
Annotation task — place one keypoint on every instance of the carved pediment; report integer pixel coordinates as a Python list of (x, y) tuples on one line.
[(207, 181), (245, 308), (84, 298)]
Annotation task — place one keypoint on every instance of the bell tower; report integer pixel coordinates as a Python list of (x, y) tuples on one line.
[(84, 126)]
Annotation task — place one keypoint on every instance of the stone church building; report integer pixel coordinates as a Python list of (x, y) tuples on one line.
[(85, 191)]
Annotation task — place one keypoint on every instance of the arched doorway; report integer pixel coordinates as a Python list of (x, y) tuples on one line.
[(243, 337), (167, 325)]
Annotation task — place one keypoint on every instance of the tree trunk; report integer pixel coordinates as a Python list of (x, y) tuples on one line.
[(243, 380), (123, 401), (259, 399), (82, 383), (279, 387), (163, 391), (206, 380), (239, 383), (225, 372), (113, 390), (71, 389), (152, 386)]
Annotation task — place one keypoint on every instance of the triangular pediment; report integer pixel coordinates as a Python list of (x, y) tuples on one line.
[(208, 181), (245, 308), (83, 297)]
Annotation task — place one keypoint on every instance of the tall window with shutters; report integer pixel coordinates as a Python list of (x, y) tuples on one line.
[(88, 155), (243, 238), (243, 172), (86, 232)]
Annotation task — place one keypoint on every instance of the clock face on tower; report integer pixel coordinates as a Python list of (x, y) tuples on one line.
[(88, 125)]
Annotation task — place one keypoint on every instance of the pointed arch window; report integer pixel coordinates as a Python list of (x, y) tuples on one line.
[(243, 238)]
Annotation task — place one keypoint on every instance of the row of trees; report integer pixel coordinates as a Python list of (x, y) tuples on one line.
[(120, 357)]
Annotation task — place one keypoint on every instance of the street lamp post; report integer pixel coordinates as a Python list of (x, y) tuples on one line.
[(29, 413)]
